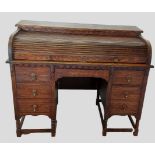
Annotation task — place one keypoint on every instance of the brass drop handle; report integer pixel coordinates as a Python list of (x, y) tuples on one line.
[(33, 76), (129, 79), (34, 92), (126, 95), (34, 108), (116, 60)]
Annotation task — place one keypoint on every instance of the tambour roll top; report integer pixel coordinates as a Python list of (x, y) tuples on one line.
[(62, 42)]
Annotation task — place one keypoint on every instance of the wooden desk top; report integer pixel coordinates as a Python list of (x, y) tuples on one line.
[(93, 29)]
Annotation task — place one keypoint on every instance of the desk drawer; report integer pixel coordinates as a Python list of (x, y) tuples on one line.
[(119, 107), (29, 90), (34, 106), (32, 74), (124, 100), (128, 77), (125, 93)]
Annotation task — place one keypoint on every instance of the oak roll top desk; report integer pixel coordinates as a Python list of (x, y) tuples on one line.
[(45, 57)]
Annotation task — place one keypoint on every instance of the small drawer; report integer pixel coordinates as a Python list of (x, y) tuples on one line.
[(118, 107), (125, 93), (128, 77), (28, 90), (34, 106), (32, 74)]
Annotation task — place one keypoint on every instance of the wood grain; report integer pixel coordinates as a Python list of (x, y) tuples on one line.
[(45, 57), (26, 90), (57, 47), (76, 28), (33, 74), (34, 106), (127, 77)]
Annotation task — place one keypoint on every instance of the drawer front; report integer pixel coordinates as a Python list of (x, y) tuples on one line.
[(124, 100), (125, 93), (128, 77), (32, 74), (108, 57), (28, 90), (35, 106), (118, 107)]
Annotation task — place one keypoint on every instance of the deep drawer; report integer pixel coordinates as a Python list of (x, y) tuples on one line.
[(32, 74), (34, 106), (119, 107), (128, 77), (125, 93), (28, 90)]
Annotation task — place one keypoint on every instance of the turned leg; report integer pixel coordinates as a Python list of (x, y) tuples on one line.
[(53, 127), (104, 127), (18, 128), (136, 129)]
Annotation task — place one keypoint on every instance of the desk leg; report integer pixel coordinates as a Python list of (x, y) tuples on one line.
[(53, 126), (18, 130), (54, 103)]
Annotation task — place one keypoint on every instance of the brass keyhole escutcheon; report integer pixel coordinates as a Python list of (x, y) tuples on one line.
[(34, 92)]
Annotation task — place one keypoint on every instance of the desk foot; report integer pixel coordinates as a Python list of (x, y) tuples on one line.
[(104, 133), (135, 133), (53, 126), (18, 132), (19, 124)]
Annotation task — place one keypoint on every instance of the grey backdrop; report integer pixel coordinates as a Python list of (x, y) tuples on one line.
[(78, 118)]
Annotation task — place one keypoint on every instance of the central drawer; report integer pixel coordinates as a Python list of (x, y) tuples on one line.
[(29, 90)]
